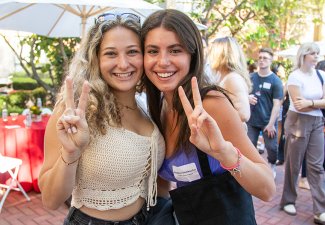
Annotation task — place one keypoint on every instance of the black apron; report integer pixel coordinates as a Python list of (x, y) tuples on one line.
[(213, 200)]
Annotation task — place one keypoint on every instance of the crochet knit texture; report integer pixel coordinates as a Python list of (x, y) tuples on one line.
[(117, 169)]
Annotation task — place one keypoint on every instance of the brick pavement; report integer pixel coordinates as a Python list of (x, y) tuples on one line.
[(17, 211)]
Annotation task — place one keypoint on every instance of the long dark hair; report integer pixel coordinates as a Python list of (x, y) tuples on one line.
[(191, 40)]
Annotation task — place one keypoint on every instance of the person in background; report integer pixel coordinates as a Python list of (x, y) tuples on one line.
[(252, 67), (100, 146), (278, 69), (211, 127), (283, 115), (265, 99), (321, 66), (304, 132), (303, 182), (228, 62)]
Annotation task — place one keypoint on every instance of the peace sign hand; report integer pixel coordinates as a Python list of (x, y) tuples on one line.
[(205, 133), (72, 127)]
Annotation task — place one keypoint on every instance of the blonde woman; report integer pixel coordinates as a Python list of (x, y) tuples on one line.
[(228, 62), (304, 132), (94, 146)]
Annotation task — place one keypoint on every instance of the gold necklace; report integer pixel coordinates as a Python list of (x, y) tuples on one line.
[(128, 107)]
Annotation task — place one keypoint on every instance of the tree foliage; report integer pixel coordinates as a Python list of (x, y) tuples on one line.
[(255, 23), (56, 51), (273, 23)]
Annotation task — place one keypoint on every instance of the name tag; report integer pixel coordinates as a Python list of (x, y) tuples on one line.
[(266, 85), (186, 173)]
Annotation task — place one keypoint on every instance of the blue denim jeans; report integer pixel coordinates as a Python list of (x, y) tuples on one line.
[(162, 213), (271, 144), (76, 217)]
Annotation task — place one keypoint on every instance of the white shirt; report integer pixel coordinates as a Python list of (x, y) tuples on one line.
[(310, 88)]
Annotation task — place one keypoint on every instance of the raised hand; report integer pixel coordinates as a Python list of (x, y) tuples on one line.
[(205, 133), (72, 127)]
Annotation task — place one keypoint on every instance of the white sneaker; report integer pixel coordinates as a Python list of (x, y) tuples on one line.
[(290, 209), (273, 168), (319, 219)]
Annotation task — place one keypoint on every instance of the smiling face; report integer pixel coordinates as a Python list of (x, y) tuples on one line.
[(121, 59), (166, 60)]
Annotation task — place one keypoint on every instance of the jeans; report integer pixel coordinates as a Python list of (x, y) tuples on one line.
[(303, 168), (271, 144), (76, 217), (282, 141), (162, 213)]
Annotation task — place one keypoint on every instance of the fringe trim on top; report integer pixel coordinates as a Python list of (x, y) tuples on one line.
[(152, 181)]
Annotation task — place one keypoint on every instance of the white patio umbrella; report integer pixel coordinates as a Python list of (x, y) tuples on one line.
[(62, 18)]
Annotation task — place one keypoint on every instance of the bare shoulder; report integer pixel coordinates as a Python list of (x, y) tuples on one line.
[(216, 102), (235, 82)]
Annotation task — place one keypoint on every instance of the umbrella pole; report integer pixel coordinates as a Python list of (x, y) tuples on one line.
[(83, 27)]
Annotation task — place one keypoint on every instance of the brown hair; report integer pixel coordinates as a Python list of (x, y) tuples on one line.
[(190, 38), (267, 50)]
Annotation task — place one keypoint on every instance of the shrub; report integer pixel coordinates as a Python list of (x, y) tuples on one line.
[(39, 93), (19, 98), (26, 85)]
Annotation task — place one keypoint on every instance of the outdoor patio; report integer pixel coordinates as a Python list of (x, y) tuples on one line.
[(17, 211)]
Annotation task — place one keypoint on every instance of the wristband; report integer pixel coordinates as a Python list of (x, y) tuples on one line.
[(312, 103), (234, 169)]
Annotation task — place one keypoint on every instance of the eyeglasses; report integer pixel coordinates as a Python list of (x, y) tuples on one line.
[(122, 16), (263, 58)]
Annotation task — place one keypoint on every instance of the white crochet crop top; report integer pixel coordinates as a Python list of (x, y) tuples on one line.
[(118, 168)]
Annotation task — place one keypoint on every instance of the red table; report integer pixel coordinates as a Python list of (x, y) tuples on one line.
[(27, 144)]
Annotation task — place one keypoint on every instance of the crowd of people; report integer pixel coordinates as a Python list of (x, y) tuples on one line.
[(188, 155)]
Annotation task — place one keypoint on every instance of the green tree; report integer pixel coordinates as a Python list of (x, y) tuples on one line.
[(227, 16), (255, 23), (57, 51)]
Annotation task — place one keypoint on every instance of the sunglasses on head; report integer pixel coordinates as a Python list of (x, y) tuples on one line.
[(122, 16)]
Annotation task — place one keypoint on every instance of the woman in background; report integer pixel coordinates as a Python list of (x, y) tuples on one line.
[(228, 62), (304, 127), (321, 66)]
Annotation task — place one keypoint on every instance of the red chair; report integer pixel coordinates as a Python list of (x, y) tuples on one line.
[(8, 164)]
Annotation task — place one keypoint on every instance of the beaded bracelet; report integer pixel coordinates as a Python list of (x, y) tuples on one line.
[(236, 167)]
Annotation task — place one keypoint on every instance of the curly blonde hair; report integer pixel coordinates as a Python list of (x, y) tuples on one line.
[(226, 54), (102, 109)]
